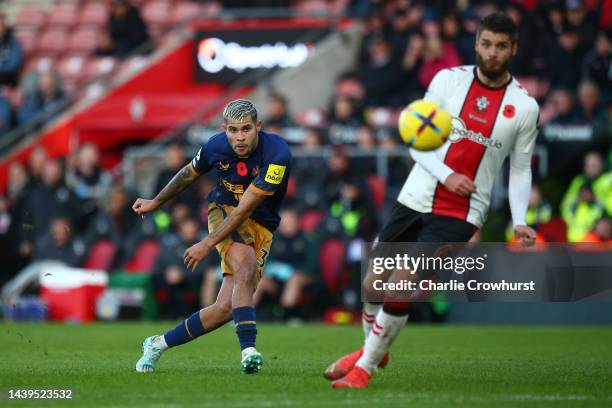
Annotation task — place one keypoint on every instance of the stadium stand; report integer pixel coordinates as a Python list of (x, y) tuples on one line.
[(65, 36)]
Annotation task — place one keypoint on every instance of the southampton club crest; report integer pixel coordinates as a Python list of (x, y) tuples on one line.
[(482, 104)]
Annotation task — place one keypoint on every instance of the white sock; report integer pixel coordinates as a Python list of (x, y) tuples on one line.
[(160, 342), (368, 316), (385, 330), (248, 351)]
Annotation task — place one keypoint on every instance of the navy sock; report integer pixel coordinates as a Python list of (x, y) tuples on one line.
[(246, 328), (187, 330)]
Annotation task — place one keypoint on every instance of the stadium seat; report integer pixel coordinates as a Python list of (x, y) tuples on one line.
[(84, 39), (63, 15), (310, 220), (30, 16), (101, 255), (311, 7), (94, 13), (211, 9), (144, 257), (157, 13), (184, 11), (27, 38), (53, 40), (378, 189), (331, 263), (554, 231)]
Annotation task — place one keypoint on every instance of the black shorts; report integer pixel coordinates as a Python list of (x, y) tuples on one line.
[(408, 225)]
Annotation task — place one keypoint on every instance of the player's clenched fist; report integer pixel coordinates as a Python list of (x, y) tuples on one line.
[(525, 234), (143, 207), (460, 184)]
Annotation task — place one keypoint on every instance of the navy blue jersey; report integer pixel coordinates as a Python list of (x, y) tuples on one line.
[(267, 169)]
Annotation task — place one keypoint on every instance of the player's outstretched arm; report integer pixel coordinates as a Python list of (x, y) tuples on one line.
[(519, 189), (248, 203), (179, 182)]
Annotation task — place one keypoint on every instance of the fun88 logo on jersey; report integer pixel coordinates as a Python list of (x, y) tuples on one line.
[(460, 131)]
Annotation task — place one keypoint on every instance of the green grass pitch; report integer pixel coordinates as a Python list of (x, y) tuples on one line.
[(431, 366)]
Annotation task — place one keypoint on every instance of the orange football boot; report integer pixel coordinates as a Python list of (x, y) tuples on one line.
[(344, 364), (356, 378)]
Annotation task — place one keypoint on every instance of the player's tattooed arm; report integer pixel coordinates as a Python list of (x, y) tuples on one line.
[(179, 182), (248, 203)]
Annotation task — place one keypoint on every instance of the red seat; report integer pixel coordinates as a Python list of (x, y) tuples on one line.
[(53, 40), (94, 13), (184, 11), (63, 15), (157, 12), (27, 37), (331, 263), (144, 257), (30, 16), (554, 231), (310, 220), (84, 39), (378, 189), (311, 7), (211, 9), (101, 255)]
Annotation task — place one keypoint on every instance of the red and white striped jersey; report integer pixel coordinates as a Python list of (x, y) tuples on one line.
[(488, 125)]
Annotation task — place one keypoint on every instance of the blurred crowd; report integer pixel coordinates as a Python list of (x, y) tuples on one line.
[(35, 93), (339, 191)]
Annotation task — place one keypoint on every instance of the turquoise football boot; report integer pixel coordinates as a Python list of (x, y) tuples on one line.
[(150, 356), (251, 363)]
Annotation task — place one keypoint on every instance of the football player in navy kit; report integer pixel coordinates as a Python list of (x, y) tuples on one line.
[(252, 168)]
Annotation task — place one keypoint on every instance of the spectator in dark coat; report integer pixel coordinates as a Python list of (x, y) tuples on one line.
[(11, 55), (47, 201), (565, 59), (59, 244), (596, 66), (127, 28), (5, 114)]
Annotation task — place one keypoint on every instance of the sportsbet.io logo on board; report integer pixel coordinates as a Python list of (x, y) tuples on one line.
[(214, 55)]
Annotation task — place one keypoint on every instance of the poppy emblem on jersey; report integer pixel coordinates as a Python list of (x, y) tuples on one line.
[(242, 169), (509, 111), (482, 104)]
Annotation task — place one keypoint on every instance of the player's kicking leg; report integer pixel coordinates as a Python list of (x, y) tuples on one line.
[(201, 322), (344, 364), (241, 259), (387, 326)]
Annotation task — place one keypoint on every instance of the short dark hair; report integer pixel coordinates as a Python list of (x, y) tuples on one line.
[(498, 22)]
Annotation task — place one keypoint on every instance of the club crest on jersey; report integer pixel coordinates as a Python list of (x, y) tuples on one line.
[(482, 104), (255, 171), (224, 166)]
